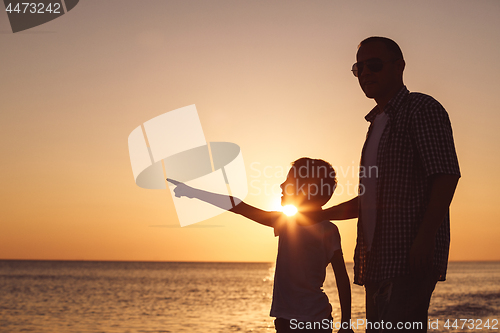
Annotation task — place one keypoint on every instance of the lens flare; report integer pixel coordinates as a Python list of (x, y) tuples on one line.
[(290, 210)]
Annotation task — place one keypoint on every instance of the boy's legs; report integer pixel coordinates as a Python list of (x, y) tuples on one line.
[(283, 325), (399, 304)]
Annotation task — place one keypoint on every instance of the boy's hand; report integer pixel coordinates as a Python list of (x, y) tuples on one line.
[(181, 189)]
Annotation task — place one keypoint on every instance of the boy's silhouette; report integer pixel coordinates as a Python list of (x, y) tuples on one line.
[(304, 251)]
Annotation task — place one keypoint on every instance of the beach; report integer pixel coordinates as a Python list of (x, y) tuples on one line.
[(87, 296)]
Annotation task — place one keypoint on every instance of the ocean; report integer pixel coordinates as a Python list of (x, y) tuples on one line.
[(86, 296)]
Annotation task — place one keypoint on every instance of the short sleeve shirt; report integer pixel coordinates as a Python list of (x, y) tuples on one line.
[(304, 252), (417, 143)]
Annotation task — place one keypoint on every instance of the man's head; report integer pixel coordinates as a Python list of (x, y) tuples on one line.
[(310, 182), (379, 68)]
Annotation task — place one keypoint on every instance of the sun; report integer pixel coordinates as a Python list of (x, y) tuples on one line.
[(290, 210)]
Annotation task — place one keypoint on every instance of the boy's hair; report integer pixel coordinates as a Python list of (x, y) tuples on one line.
[(318, 176)]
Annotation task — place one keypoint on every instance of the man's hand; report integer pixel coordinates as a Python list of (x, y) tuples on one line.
[(344, 211), (422, 253)]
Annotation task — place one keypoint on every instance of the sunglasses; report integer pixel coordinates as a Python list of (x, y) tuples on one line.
[(374, 65)]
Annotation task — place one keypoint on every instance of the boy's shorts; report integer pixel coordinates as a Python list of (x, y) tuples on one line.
[(283, 325)]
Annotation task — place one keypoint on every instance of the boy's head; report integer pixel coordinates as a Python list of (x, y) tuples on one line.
[(309, 182)]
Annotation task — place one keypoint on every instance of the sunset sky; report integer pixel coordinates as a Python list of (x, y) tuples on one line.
[(271, 76)]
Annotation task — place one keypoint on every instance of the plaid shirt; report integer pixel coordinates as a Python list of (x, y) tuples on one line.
[(417, 142)]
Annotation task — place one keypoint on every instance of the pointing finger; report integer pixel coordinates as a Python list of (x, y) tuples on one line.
[(175, 182)]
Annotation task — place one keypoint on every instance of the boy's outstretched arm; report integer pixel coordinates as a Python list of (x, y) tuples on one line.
[(344, 289), (256, 214), (226, 202)]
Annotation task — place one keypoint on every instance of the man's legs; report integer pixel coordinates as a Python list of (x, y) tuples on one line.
[(399, 304), (371, 308)]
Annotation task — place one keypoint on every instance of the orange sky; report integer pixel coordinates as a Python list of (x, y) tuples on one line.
[(273, 77)]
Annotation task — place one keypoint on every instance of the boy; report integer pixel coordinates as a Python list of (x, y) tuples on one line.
[(304, 250)]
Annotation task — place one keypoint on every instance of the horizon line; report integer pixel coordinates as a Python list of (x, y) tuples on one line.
[(198, 261)]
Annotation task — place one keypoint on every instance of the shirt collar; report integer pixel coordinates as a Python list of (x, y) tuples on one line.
[(392, 107)]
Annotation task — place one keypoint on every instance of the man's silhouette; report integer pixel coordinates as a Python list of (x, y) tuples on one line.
[(403, 227)]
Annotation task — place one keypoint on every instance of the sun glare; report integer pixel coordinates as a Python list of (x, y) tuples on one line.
[(290, 210)]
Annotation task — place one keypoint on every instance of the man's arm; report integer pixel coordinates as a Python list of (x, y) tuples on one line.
[(344, 211), (442, 190), (229, 203), (343, 287)]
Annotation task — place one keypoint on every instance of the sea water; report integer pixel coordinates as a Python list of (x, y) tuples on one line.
[(83, 296)]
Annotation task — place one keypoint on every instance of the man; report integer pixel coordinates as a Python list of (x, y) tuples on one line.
[(408, 175)]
